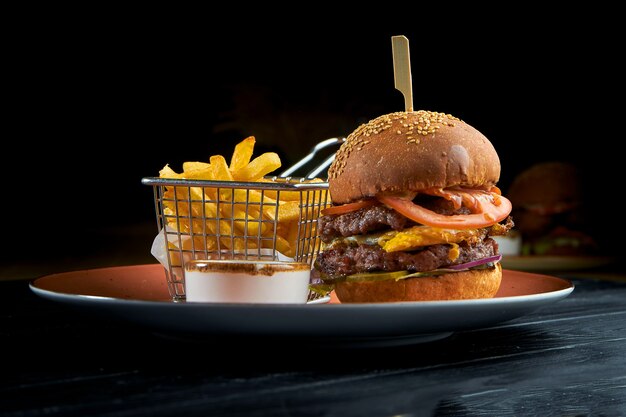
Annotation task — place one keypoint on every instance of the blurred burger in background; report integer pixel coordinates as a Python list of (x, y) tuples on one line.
[(549, 211)]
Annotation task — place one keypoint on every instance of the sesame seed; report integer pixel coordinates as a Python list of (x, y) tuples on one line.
[(419, 122)]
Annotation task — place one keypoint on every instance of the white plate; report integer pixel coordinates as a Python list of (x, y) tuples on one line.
[(138, 294)]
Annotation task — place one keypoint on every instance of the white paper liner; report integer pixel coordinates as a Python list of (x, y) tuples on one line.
[(159, 250)]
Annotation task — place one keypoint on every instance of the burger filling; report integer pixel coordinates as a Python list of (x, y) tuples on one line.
[(394, 237)]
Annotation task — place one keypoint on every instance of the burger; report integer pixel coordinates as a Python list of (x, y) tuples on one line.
[(414, 206), (549, 211)]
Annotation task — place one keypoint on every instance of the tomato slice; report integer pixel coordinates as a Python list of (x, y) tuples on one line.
[(490, 213), (347, 208), (470, 198)]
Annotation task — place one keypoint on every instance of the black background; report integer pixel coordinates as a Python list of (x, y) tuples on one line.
[(103, 101)]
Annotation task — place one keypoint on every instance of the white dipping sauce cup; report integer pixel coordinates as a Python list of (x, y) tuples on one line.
[(244, 281)]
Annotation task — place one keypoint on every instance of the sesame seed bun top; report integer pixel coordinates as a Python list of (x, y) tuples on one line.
[(411, 151)]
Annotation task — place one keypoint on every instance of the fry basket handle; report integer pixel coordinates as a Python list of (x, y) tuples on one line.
[(322, 145)]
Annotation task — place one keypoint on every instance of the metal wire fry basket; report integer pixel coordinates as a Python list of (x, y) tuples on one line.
[(271, 220)]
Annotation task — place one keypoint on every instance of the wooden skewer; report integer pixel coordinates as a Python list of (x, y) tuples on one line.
[(402, 69)]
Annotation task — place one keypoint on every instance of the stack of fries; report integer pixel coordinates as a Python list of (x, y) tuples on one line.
[(218, 219)]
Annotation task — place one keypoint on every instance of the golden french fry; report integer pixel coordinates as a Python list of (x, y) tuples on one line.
[(242, 154), (236, 219), (270, 211), (315, 198), (250, 223), (207, 211), (281, 245), (199, 244), (222, 173), (313, 202), (288, 232), (290, 252), (258, 167), (292, 235), (196, 166), (282, 228), (220, 169), (255, 197), (283, 195), (198, 174), (288, 211), (255, 204), (168, 172)]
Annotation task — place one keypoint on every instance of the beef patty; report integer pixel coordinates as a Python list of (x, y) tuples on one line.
[(344, 260), (379, 217)]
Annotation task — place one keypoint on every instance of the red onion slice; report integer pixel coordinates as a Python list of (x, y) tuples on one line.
[(495, 258)]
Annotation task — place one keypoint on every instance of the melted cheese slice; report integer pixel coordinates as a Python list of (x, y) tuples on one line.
[(412, 238), (419, 236)]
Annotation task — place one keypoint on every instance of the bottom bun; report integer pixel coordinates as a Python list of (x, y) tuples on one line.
[(481, 283)]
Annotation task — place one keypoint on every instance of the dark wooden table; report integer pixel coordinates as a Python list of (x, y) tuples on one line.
[(567, 359)]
